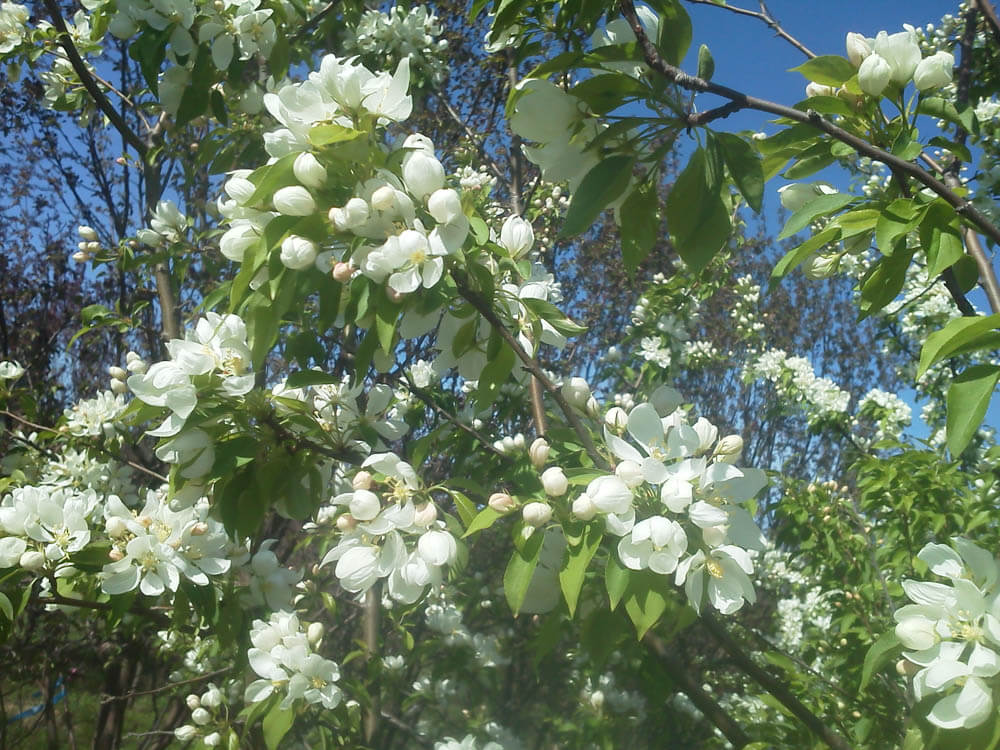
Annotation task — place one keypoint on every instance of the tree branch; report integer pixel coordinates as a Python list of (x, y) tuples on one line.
[(484, 309), (704, 702), (963, 207), (426, 397), (772, 684), (991, 16), (87, 79)]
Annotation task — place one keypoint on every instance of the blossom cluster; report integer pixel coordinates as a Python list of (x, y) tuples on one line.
[(796, 382), (897, 59), (282, 654), (952, 633), (402, 33)]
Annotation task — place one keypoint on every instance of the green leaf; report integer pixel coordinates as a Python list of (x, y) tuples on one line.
[(968, 399), (465, 507), (644, 601), (855, 222), (640, 225), (494, 375), (878, 656), (827, 105), (575, 564), (311, 377), (6, 608), (944, 109), (885, 280), (521, 567), (616, 579), (819, 206), (149, 50), (745, 167), (697, 218), (601, 186), (324, 135), (276, 725), (940, 237), (958, 149), (706, 64), (194, 100), (277, 60), (262, 330), (829, 70), (269, 178), (798, 254), (899, 217), (954, 337), (675, 31), (608, 91), (483, 520)]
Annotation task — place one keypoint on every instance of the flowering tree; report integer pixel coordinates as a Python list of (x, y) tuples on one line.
[(306, 513)]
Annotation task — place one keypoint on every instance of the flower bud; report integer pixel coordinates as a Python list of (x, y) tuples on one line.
[(934, 71), (874, 75), (115, 554), (32, 560), (584, 508), (212, 740), (87, 233), (212, 697), (422, 173), (117, 373), (201, 716), (362, 480), (297, 252), (728, 449), (818, 89), (445, 206), (314, 632), (343, 272), (517, 237), (294, 200), (536, 514), (798, 194), (501, 502), (239, 188), (115, 527), (118, 387), (309, 171), (629, 472), (900, 52), (859, 47), (81, 256), (346, 522), (554, 482), (352, 215), (384, 198), (199, 529), (185, 733), (539, 452), (616, 420), (426, 515), (818, 267), (576, 392), (192, 702)]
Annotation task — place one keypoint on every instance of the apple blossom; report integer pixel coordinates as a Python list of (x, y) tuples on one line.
[(554, 481), (934, 71), (537, 514)]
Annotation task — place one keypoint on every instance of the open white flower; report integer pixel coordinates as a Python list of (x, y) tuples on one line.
[(726, 571), (656, 543)]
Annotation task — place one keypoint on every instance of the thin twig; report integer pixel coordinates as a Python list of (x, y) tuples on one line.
[(164, 688), (763, 15), (962, 206), (426, 397)]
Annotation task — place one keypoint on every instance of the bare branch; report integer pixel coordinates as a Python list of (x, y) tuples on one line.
[(763, 15)]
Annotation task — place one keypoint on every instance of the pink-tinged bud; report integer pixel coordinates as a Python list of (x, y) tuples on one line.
[(115, 554), (537, 514), (192, 702), (539, 452), (343, 272), (199, 529), (501, 502), (81, 256), (362, 480), (554, 482), (346, 522)]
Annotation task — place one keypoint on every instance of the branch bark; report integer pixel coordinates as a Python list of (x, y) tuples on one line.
[(763, 15)]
